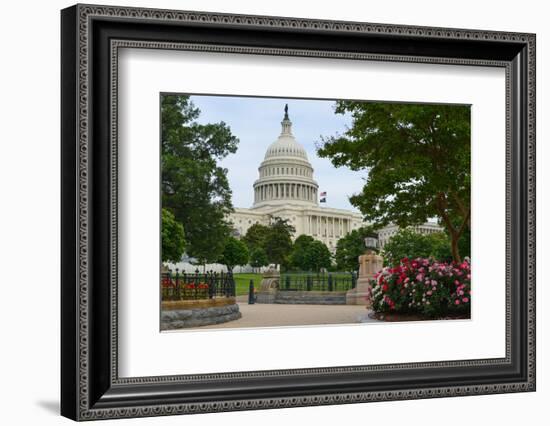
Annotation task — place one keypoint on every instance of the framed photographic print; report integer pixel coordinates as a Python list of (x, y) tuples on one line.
[(263, 212)]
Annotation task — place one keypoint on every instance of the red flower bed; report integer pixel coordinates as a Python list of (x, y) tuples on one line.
[(168, 283), (422, 286)]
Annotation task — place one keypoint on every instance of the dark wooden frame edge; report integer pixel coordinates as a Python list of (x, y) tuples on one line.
[(89, 390)]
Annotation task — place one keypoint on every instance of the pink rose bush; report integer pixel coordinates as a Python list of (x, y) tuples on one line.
[(422, 286)]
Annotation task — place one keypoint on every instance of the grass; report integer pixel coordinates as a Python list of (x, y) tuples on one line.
[(242, 282)]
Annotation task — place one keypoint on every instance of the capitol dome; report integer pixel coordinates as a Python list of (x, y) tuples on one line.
[(286, 175), (285, 146)]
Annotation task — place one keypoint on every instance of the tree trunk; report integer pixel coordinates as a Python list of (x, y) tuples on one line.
[(454, 248)]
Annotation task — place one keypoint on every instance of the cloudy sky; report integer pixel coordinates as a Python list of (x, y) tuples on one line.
[(257, 123)]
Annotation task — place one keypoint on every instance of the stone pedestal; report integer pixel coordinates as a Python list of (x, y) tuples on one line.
[(369, 264), (269, 287)]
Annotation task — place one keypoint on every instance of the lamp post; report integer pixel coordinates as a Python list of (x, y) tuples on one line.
[(369, 264), (371, 243)]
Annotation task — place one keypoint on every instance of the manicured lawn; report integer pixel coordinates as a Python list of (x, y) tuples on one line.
[(242, 282)]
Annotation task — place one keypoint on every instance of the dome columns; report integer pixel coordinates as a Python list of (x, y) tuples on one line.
[(295, 191)]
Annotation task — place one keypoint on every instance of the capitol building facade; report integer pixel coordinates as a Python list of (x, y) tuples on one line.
[(286, 188)]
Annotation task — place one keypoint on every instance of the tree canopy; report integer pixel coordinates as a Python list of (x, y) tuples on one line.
[(173, 238), (410, 244), (418, 162), (298, 254), (258, 257), (317, 256), (278, 241), (255, 236), (350, 247), (194, 187), (234, 253)]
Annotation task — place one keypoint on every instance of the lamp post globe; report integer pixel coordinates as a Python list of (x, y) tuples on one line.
[(371, 243)]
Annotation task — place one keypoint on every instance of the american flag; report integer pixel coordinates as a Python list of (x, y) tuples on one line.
[(323, 194)]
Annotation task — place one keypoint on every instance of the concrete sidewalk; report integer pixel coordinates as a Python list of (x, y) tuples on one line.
[(277, 315)]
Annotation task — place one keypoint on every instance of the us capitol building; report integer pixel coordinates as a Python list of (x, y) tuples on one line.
[(286, 188)]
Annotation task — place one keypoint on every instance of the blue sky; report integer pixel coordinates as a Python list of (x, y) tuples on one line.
[(257, 123)]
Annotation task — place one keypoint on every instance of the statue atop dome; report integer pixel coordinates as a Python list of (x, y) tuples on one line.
[(286, 124)]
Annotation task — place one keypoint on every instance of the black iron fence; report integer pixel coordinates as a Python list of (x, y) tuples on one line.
[(191, 286), (337, 281)]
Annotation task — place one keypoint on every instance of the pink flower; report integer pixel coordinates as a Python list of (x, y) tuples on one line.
[(429, 293), (457, 302), (419, 277), (465, 299)]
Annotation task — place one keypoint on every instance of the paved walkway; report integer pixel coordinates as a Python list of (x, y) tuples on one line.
[(277, 315)]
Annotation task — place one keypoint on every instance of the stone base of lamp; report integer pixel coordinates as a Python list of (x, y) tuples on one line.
[(358, 295), (369, 264)]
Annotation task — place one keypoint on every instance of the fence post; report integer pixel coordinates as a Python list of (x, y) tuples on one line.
[(251, 298), (329, 282), (287, 282), (196, 282), (309, 283), (178, 293), (353, 279), (228, 284)]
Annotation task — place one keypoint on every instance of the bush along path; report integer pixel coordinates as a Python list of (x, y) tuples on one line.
[(422, 289)]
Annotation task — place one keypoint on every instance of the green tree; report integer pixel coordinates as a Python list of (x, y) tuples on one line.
[(418, 162), (194, 187), (406, 243), (410, 244), (350, 247), (278, 241), (440, 248), (258, 257), (298, 254), (173, 238), (255, 236), (234, 253), (317, 256)]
